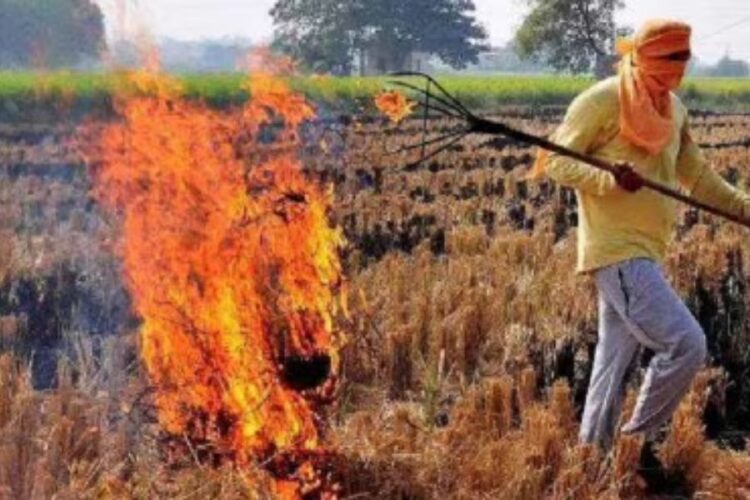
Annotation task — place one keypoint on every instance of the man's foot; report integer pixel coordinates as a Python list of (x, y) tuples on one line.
[(658, 480)]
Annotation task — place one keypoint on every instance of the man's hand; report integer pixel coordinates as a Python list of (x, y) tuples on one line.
[(627, 178)]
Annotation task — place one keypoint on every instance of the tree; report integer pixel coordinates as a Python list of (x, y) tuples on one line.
[(329, 34), (318, 32), (571, 35), (49, 33)]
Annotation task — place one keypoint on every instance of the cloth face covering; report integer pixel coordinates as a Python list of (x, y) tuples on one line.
[(647, 77)]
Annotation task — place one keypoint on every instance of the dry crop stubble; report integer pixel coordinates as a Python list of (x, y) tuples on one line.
[(465, 316), (495, 300)]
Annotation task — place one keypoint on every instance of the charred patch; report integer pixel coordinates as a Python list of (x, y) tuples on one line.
[(305, 373)]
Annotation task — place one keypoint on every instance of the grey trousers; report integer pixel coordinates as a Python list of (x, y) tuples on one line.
[(637, 306)]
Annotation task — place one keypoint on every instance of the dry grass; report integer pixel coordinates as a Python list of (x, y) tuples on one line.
[(453, 370), (480, 307), (499, 443), (503, 442), (83, 442), (500, 440)]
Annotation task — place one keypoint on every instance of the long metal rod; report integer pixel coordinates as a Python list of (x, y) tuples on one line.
[(455, 109), (423, 145), (484, 126), (440, 88), (442, 148), (424, 120), (442, 112)]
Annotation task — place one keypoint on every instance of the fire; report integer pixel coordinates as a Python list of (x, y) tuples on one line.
[(232, 264), (394, 105)]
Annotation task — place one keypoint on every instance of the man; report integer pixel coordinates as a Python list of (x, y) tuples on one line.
[(635, 121)]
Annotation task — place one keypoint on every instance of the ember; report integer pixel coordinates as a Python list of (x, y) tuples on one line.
[(394, 105), (233, 267)]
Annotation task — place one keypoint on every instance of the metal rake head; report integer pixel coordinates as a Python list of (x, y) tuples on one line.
[(434, 101)]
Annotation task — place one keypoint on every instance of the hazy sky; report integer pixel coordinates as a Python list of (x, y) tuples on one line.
[(196, 19)]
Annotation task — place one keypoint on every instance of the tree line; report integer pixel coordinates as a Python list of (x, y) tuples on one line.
[(334, 35), (338, 36), (330, 35), (342, 37), (345, 37)]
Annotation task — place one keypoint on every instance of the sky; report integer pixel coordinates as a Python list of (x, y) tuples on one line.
[(720, 26)]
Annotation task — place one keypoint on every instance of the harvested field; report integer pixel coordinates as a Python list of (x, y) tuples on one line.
[(469, 336)]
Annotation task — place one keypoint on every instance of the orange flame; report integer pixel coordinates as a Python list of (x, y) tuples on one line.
[(231, 262), (394, 105)]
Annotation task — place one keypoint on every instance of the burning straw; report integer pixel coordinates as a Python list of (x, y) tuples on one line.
[(233, 268), (394, 105)]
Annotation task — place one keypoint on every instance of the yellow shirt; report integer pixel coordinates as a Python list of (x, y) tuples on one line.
[(615, 225)]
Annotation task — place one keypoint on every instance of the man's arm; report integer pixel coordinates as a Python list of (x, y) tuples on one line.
[(579, 131), (703, 183)]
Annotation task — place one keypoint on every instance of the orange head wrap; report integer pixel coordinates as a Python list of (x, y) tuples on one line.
[(647, 77)]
